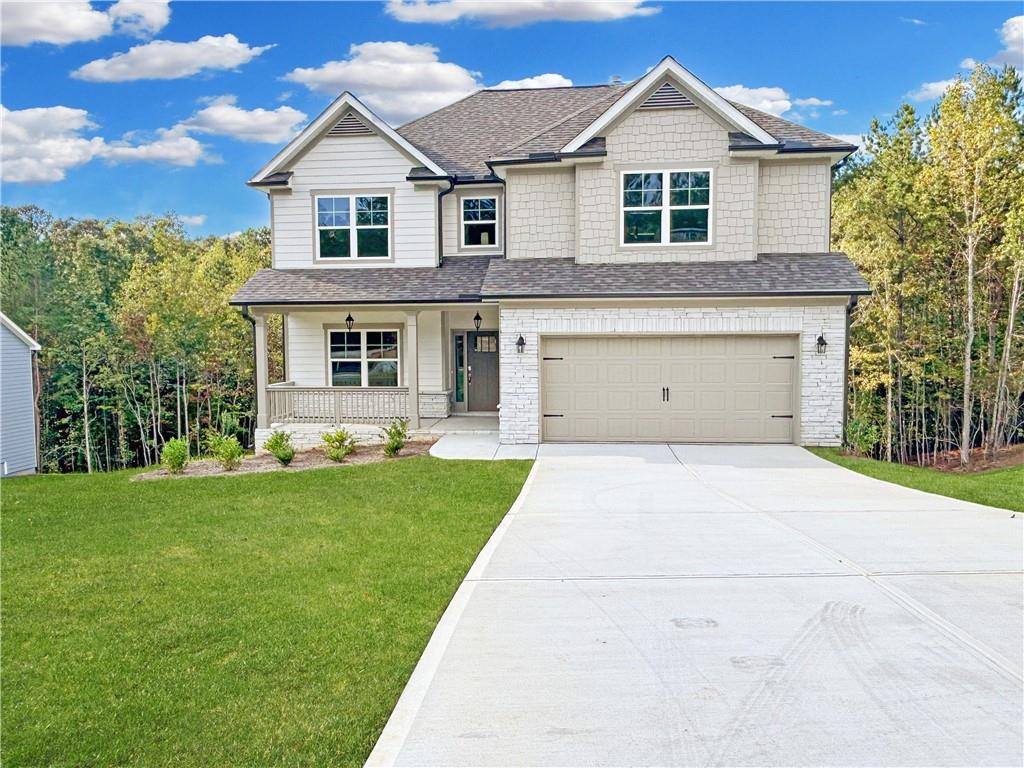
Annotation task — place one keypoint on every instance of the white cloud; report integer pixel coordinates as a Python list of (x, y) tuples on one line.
[(1012, 35), (42, 144), (915, 22), (840, 112), (165, 60), (772, 99), (515, 13), (223, 118), (193, 221), (813, 101), (548, 80), (929, 91), (968, 63), (141, 18), (73, 21), (398, 80), (849, 138)]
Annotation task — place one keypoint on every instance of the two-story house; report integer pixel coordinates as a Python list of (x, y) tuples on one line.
[(627, 262)]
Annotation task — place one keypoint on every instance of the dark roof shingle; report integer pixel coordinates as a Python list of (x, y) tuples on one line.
[(458, 279), (770, 275)]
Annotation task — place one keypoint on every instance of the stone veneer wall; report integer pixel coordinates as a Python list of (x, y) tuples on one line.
[(434, 405), (666, 140), (822, 385), (541, 210), (309, 435), (794, 201)]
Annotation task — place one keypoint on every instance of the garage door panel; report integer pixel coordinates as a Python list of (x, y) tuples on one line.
[(721, 388)]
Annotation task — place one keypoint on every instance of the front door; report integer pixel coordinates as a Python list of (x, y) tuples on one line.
[(482, 370)]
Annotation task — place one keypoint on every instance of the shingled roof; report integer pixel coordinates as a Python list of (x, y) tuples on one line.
[(472, 278), (518, 123)]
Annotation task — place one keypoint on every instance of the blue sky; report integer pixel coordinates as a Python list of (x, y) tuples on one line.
[(136, 107)]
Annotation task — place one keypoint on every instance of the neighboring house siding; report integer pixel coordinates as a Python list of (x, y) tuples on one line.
[(793, 207), (541, 214), (821, 381), (659, 140), (17, 412), (356, 163)]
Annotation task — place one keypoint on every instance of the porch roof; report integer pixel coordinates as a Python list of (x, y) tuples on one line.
[(458, 279), (771, 274)]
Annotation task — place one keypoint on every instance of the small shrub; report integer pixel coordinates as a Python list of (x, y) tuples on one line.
[(862, 436), (339, 444), (174, 456), (279, 445), (229, 452), (395, 436)]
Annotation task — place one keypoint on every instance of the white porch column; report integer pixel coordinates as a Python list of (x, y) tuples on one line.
[(262, 406), (412, 376)]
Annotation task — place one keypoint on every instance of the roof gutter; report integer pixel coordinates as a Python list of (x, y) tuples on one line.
[(673, 295), (545, 157), (440, 217)]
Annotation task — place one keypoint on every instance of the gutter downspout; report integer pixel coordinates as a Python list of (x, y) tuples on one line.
[(850, 305), (440, 219)]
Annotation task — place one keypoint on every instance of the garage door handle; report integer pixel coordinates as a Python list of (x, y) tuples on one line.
[(554, 415), (783, 357), (553, 358), (786, 416)]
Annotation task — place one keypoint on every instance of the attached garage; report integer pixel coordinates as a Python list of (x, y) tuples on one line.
[(698, 388)]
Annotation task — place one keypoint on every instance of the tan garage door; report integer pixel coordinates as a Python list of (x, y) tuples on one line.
[(730, 389)]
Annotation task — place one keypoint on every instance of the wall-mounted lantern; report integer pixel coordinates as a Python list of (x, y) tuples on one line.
[(821, 343), (520, 344), (349, 321), (477, 320)]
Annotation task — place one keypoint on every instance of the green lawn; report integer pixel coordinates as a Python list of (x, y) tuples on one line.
[(997, 488), (259, 620)]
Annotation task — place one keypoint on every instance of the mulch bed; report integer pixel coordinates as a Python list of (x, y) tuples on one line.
[(313, 458)]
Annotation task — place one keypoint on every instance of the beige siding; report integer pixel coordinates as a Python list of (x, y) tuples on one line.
[(307, 340), (666, 140), (354, 163), (541, 210), (793, 207), (451, 206)]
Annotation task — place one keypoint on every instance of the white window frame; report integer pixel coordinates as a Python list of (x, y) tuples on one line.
[(363, 359), (463, 222), (666, 208), (353, 227)]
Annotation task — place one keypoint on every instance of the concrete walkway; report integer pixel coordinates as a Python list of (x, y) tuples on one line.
[(724, 605)]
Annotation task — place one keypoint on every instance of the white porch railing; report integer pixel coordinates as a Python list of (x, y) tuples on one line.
[(290, 404)]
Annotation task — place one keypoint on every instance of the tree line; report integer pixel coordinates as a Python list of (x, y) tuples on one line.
[(139, 344), (933, 215)]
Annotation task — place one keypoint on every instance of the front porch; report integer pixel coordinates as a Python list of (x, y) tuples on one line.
[(363, 367)]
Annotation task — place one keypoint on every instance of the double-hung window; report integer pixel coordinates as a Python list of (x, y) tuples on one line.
[(479, 222), (353, 226), (363, 358), (666, 207)]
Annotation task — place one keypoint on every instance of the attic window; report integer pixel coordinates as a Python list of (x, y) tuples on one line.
[(666, 97), (349, 125)]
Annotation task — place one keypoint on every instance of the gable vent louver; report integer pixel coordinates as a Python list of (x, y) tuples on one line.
[(349, 125), (667, 97)]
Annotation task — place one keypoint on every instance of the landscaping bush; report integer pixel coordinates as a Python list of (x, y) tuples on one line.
[(228, 451), (395, 436), (279, 445), (339, 444), (862, 436), (174, 456)]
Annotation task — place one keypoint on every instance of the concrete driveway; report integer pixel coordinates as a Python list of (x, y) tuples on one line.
[(724, 605)]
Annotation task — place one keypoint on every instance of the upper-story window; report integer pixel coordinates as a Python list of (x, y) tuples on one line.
[(353, 226), (479, 222), (666, 207)]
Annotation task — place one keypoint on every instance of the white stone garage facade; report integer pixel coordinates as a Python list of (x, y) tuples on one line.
[(820, 385)]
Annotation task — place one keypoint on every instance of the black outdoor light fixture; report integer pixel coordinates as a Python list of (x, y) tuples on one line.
[(821, 343), (349, 321), (520, 344), (477, 320)]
